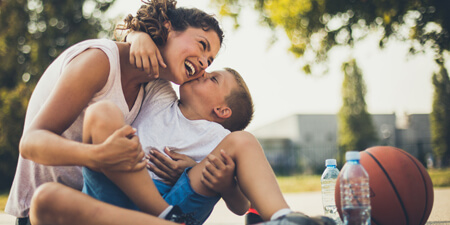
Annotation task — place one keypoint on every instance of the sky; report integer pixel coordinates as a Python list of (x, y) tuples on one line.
[(395, 82)]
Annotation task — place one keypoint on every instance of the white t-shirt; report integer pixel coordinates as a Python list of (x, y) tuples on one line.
[(160, 124), (29, 175)]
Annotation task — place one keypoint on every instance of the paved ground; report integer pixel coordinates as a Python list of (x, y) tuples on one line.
[(311, 204)]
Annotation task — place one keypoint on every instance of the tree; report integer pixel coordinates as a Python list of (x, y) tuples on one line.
[(440, 117), (355, 127), (34, 33), (12, 110), (315, 26)]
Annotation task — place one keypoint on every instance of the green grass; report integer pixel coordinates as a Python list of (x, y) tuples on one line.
[(440, 177), (3, 198), (305, 183), (299, 183)]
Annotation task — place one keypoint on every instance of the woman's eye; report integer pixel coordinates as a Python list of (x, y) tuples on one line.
[(203, 45), (214, 79)]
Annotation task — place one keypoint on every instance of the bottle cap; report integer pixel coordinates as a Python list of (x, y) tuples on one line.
[(352, 155), (330, 162)]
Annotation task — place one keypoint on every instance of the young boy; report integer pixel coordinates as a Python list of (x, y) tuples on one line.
[(188, 125), (183, 125)]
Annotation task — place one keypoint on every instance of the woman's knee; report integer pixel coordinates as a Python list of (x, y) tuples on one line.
[(44, 200)]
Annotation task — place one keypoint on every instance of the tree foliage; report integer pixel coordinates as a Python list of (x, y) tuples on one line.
[(440, 117), (12, 110), (34, 33), (315, 26), (355, 126)]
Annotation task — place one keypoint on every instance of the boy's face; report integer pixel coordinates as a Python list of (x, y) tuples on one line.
[(208, 92)]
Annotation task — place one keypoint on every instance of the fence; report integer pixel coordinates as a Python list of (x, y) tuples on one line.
[(286, 158)]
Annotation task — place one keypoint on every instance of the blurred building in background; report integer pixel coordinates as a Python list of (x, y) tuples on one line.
[(300, 143)]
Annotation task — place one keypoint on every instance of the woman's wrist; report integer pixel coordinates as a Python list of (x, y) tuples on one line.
[(90, 157)]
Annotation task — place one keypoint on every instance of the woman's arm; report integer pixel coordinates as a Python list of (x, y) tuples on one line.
[(42, 142)]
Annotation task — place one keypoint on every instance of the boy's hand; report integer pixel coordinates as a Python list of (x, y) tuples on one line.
[(219, 173), (144, 54), (170, 169), (121, 151)]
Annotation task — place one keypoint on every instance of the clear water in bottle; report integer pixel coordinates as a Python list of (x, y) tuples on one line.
[(355, 193), (328, 181)]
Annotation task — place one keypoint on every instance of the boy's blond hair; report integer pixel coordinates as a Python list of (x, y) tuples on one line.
[(240, 103)]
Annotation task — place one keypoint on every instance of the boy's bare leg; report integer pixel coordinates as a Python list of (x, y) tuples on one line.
[(101, 120), (54, 203), (255, 177)]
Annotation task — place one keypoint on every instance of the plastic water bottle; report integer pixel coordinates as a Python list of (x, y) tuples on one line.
[(355, 193), (328, 181)]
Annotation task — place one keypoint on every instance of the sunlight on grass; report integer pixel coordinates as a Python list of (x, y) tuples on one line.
[(299, 183), (305, 183), (3, 198), (440, 177), (308, 183)]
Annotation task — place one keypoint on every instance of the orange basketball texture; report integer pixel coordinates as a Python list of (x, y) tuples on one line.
[(401, 191)]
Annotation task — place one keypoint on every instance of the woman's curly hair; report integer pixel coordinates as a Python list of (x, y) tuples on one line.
[(153, 14)]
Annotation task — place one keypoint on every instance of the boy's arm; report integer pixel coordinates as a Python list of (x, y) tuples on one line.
[(219, 175), (144, 53)]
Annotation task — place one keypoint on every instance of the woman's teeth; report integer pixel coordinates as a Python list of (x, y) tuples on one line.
[(190, 68)]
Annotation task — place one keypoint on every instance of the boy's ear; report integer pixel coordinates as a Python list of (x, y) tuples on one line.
[(223, 112)]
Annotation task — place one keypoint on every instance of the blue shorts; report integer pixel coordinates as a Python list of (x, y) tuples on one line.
[(100, 187)]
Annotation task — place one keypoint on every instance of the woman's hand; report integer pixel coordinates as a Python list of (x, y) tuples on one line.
[(144, 53), (121, 151), (169, 168), (219, 173)]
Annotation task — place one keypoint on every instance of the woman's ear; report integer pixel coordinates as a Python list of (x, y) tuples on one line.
[(223, 112), (168, 25)]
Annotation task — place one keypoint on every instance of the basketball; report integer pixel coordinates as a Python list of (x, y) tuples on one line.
[(401, 192)]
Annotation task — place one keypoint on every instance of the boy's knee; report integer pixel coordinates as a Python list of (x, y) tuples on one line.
[(242, 139)]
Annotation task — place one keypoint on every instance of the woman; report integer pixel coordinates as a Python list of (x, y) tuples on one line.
[(95, 70)]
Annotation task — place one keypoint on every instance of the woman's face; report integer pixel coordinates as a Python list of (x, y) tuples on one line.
[(188, 53)]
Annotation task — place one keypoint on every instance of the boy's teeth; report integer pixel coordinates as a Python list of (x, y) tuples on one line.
[(191, 69)]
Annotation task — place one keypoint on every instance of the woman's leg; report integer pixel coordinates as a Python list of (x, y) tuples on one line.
[(54, 203)]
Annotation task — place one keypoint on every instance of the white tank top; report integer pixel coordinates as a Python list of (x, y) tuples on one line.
[(29, 175)]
